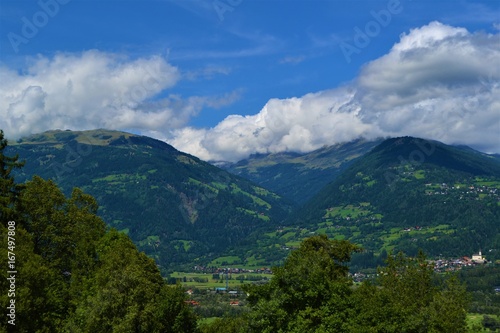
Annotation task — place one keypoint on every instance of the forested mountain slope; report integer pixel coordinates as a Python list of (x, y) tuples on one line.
[(406, 194), (410, 193), (174, 206)]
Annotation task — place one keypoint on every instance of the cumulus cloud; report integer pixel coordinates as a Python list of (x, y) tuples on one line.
[(438, 82), (96, 90)]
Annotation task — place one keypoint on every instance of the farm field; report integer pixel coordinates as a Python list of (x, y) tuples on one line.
[(207, 280)]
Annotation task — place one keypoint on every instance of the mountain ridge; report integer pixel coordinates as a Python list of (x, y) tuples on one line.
[(398, 184), (174, 206), (404, 195), (299, 176), (406, 192)]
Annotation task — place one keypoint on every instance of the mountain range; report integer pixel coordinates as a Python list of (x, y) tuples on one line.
[(386, 195), (406, 194)]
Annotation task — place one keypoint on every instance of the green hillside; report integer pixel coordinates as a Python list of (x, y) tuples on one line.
[(175, 207), (411, 193), (299, 176), (446, 203)]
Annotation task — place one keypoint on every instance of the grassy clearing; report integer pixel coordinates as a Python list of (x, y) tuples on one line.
[(475, 320), (263, 192), (346, 211), (120, 178), (252, 262), (261, 216), (125, 231), (149, 240), (186, 160), (485, 182), (293, 243), (229, 260), (236, 190), (288, 235), (186, 244), (419, 174)]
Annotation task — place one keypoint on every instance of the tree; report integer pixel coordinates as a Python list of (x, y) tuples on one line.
[(407, 300), (226, 325), (173, 315), (40, 291), (9, 190), (128, 294), (309, 293), (65, 231)]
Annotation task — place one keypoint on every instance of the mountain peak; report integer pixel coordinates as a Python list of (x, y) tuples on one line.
[(97, 137), (100, 137), (418, 151)]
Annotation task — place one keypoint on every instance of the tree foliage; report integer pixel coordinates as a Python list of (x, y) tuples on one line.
[(312, 292), (406, 299), (9, 190)]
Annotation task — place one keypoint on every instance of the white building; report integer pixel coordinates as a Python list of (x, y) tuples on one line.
[(478, 258)]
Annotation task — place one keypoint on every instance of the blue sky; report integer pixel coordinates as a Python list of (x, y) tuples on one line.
[(187, 65)]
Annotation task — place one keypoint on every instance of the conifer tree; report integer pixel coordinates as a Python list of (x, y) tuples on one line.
[(9, 190)]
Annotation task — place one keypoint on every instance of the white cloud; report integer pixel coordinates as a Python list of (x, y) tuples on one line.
[(93, 90), (207, 72), (292, 60), (439, 82), (295, 124)]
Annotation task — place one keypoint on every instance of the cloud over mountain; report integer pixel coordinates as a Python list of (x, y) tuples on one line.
[(438, 82), (96, 90)]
